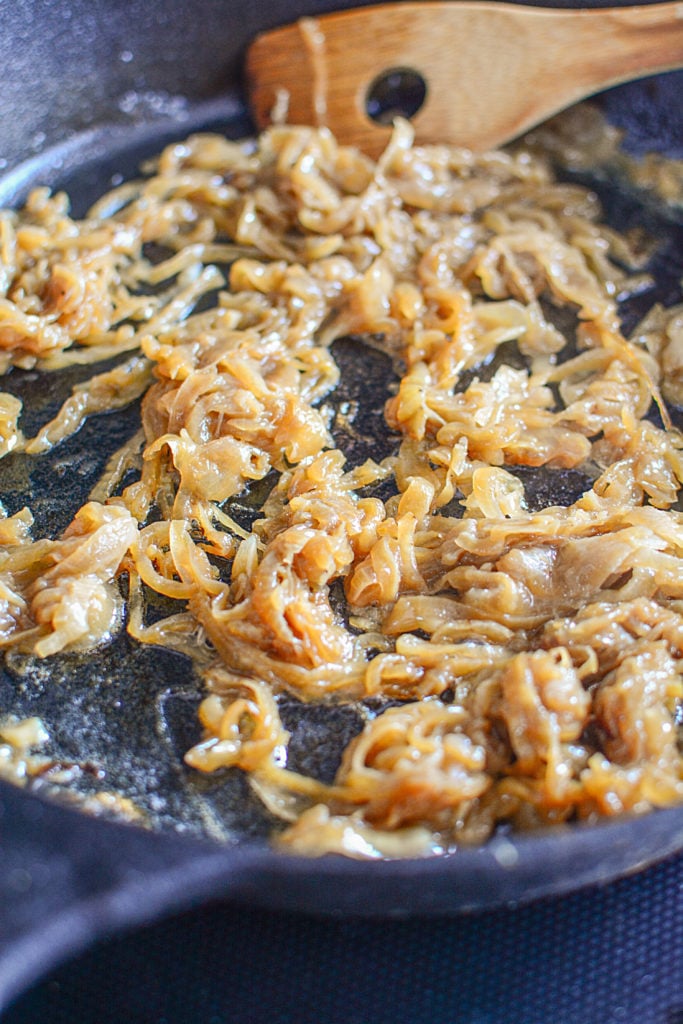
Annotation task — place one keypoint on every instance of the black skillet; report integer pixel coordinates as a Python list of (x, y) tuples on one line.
[(90, 88)]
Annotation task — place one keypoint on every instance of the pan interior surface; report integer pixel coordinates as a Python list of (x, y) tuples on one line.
[(121, 717)]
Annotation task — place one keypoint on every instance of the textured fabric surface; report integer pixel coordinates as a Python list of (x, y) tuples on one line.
[(612, 955)]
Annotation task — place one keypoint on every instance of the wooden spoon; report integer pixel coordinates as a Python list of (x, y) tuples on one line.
[(489, 71)]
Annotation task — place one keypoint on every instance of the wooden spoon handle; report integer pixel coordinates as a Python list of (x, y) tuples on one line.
[(491, 70)]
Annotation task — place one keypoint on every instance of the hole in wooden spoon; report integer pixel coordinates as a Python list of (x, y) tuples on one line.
[(398, 92)]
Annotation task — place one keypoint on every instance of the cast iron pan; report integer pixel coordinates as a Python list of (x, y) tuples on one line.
[(90, 90)]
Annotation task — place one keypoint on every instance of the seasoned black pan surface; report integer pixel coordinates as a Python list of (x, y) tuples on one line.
[(125, 714)]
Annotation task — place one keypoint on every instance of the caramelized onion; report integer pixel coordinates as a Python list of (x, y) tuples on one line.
[(531, 657)]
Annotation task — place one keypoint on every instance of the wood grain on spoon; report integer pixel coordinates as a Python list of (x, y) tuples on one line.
[(492, 70)]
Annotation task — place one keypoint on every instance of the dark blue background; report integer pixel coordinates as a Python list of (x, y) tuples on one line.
[(612, 955)]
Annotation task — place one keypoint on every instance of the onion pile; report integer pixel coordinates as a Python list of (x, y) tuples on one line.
[(524, 663)]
